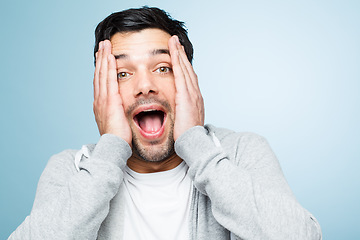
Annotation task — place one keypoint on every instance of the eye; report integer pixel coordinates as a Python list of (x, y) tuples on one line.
[(163, 70), (122, 75)]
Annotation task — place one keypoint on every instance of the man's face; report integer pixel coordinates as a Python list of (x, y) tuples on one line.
[(146, 85)]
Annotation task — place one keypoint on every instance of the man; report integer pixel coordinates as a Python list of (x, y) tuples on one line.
[(157, 172)]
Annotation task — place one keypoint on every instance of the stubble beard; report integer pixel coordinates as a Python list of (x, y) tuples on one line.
[(156, 152)]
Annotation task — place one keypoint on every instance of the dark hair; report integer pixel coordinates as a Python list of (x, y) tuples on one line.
[(137, 19)]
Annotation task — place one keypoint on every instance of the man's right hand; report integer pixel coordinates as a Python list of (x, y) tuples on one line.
[(108, 107)]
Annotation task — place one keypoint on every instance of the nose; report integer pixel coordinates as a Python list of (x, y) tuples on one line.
[(145, 84)]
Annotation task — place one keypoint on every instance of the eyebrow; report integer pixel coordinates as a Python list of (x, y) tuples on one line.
[(121, 56), (152, 53), (160, 51)]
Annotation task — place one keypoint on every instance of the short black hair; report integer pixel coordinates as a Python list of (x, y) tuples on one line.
[(137, 19)]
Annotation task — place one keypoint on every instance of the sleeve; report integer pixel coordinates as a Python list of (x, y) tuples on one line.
[(249, 195), (71, 204)]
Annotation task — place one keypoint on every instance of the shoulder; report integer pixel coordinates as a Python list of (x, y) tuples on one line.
[(66, 158), (229, 136), (63, 158), (60, 164), (243, 147)]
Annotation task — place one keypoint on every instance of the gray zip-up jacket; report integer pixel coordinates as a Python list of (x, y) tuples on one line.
[(239, 190)]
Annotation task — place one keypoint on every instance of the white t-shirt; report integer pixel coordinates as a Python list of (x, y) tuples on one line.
[(157, 205)]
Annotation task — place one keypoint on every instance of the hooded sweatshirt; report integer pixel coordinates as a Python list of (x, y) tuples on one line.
[(239, 191)]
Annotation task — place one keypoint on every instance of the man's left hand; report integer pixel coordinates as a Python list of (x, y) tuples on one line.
[(189, 104)]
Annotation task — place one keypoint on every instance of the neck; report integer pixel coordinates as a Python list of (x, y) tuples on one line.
[(139, 165)]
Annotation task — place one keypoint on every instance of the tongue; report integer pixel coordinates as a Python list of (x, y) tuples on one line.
[(150, 123)]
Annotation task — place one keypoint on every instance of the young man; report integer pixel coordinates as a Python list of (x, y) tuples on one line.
[(157, 172)]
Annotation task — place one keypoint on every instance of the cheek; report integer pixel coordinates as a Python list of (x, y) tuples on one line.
[(125, 94), (170, 95)]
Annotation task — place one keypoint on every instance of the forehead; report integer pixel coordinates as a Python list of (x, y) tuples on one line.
[(139, 43)]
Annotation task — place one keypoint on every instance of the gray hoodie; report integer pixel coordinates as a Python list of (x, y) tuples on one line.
[(239, 191)]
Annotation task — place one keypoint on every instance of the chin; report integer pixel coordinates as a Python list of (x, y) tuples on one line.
[(152, 125), (154, 151)]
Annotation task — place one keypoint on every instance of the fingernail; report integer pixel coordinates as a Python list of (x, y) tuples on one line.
[(177, 40)]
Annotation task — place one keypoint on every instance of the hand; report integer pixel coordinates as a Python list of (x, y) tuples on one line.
[(108, 107), (189, 104)]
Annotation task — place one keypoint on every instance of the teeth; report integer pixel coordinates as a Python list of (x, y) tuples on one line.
[(150, 110)]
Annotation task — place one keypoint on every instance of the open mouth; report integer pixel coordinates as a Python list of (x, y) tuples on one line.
[(150, 122)]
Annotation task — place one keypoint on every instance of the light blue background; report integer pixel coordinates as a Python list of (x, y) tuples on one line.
[(288, 70)]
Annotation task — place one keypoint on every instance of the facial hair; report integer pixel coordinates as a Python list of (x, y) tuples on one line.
[(156, 152)]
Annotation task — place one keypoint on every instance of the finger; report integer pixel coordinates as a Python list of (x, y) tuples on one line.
[(189, 68), (179, 76), (97, 71), (192, 81), (112, 84), (103, 71), (186, 75), (184, 63)]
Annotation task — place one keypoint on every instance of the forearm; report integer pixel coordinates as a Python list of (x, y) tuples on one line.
[(248, 192), (71, 204)]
